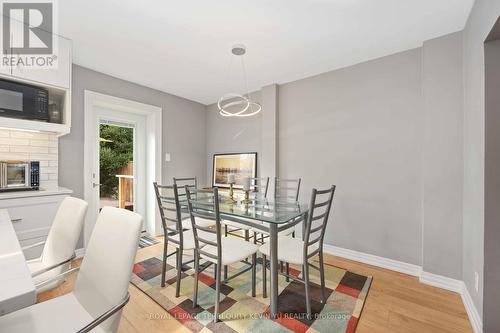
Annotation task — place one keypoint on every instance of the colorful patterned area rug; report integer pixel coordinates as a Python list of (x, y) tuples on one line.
[(240, 312)]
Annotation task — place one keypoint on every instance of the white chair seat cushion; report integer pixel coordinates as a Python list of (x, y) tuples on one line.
[(36, 265), (233, 250), (188, 239), (289, 250), (60, 314)]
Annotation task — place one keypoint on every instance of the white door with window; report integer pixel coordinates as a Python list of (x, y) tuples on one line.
[(122, 150)]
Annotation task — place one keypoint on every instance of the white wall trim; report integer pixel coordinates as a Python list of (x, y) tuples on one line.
[(154, 141), (474, 317), (431, 279), (442, 282), (370, 259)]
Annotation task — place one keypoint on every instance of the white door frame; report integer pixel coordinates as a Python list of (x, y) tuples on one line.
[(153, 154)]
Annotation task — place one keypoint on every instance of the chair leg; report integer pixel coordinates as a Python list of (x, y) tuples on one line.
[(215, 271), (196, 273), (264, 280), (255, 237), (254, 272), (164, 267), (247, 235), (217, 292), (281, 266), (322, 276), (287, 265), (225, 272), (178, 256), (306, 285)]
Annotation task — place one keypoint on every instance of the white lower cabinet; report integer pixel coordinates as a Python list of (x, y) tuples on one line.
[(32, 218)]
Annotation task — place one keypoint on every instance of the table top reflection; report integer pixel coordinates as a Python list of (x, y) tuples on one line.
[(262, 209)]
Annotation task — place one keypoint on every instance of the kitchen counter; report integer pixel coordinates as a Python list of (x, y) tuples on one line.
[(39, 193), (17, 289)]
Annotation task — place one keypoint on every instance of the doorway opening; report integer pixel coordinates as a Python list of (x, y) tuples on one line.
[(116, 165)]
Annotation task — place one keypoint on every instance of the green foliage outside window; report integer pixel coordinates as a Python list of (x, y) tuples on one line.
[(116, 150)]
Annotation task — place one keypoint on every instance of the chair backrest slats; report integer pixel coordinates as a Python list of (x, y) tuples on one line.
[(315, 218), (207, 254), (170, 211), (181, 183), (317, 239), (286, 188), (260, 185), (205, 204), (321, 204), (320, 221), (318, 228)]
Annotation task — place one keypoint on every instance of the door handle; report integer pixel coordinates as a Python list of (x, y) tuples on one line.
[(94, 185)]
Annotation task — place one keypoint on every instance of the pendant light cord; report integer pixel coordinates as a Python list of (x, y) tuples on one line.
[(246, 82)]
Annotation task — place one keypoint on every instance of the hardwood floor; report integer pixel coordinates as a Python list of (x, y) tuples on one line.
[(396, 303)]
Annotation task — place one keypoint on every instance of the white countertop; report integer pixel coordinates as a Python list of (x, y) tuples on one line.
[(40, 193), (17, 289)]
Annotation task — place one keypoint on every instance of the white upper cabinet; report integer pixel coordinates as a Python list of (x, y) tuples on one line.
[(59, 77)]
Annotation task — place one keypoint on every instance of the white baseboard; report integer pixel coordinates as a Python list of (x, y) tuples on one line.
[(435, 280), (474, 317), (442, 282), (374, 260), (80, 252)]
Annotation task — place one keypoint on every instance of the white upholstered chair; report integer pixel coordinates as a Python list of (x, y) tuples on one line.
[(100, 290), (59, 247)]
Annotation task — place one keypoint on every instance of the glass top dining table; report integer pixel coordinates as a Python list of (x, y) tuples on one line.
[(265, 210)]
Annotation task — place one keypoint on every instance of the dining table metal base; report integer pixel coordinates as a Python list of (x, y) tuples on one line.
[(273, 258)]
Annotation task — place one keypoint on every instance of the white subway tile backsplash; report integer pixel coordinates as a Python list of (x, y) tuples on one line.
[(39, 143), (50, 170), (29, 149), (43, 147), (14, 156), (15, 142), (42, 157), (29, 135)]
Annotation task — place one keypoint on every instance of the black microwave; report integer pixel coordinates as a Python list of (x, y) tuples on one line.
[(24, 101)]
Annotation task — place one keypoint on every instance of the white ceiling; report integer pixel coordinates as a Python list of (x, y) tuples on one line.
[(183, 47)]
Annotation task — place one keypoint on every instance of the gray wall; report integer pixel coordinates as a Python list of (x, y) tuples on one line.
[(183, 128), (232, 134), (361, 129), (481, 20), (442, 155), (492, 188)]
